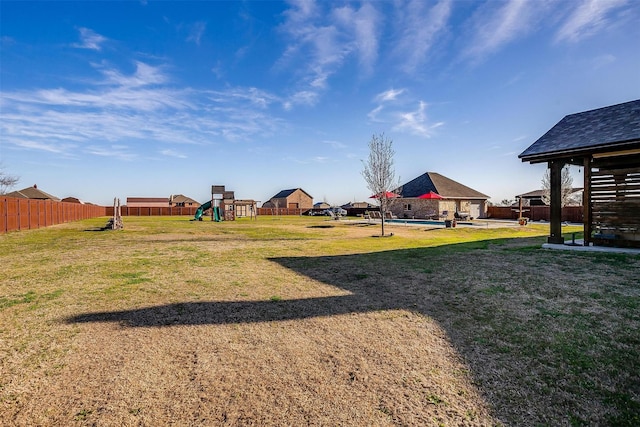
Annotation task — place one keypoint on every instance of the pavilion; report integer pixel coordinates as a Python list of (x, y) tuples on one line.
[(606, 143)]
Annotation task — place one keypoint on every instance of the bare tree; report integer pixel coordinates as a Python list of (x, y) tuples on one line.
[(6, 181), (378, 171), (566, 186)]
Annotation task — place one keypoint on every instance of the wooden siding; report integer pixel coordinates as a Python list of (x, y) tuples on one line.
[(615, 206)]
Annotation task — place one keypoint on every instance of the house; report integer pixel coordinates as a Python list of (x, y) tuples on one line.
[(358, 208), (181, 201), (72, 200), (147, 202), (434, 195), (321, 205), (295, 198), (358, 205), (32, 193), (606, 143)]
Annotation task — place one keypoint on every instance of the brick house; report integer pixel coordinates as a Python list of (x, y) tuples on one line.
[(451, 196), (181, 201), (295, 198)]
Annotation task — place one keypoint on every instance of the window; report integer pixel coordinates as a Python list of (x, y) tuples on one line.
[(407, 206)]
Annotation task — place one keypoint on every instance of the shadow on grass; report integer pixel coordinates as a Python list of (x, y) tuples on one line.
[(498, 301), (369, 279)]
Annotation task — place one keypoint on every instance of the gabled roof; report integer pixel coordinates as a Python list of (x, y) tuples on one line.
[(71, 199), (32, 193), (180, 198), (539, 193), (432, 181), (615, 127), (286, 193)]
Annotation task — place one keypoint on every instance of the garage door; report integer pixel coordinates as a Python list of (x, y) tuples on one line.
[(474, 209)]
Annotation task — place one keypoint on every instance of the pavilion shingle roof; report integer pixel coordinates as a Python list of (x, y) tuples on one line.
[(432, 181), (616, 126)]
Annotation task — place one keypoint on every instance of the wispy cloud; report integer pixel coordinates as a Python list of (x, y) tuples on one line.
[(496, 24), (361, 27), (394, 108), (415, 122), (116, 151), (135, 110), (172, 153), (389, 95), (588, 18), (420, 25), (335, 144), (323, 40), (196, 31), (90, 39)]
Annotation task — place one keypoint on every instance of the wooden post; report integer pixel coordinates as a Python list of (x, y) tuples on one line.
[(587, 219), (555, 235)]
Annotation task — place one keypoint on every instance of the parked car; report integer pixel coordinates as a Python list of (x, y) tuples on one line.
[(335, 211)]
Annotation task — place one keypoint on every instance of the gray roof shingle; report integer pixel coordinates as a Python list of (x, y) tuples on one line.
[(446, 187), (615, 126)]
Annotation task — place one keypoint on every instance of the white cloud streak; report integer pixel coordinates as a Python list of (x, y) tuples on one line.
[(416, 123), (494, 27), (588, 18), (196, 31), (323, 42), (90, 39), (134, 110), (421, 26)]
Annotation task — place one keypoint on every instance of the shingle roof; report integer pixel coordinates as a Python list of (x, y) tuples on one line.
[(616, 126), (32, 193), (432, 181), (287, 193)]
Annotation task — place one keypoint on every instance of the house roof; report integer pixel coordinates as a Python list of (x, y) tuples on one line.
[(32, 193), (287, 193), (539, 193), (180, 198), (446, 187), (615, 127), (72, 200)]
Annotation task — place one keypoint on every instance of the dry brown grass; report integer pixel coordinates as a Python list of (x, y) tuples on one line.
[(307, 322)]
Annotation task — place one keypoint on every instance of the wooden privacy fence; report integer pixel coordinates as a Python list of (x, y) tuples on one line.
[(535, 213), (153, 211), (281, 211), (26, 214), (191, 211)]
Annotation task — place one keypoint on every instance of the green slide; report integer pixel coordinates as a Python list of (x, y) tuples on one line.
[(204, 207)]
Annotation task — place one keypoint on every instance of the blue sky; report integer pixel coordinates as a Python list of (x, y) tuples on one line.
[(147, 99)]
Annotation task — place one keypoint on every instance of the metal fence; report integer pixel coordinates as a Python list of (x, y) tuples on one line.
[(27, 214), (535, 213)]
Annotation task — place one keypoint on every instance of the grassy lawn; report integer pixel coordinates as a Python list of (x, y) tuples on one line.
[(307, 321)]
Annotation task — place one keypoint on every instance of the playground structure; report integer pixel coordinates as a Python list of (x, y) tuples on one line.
[(224, 206)]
